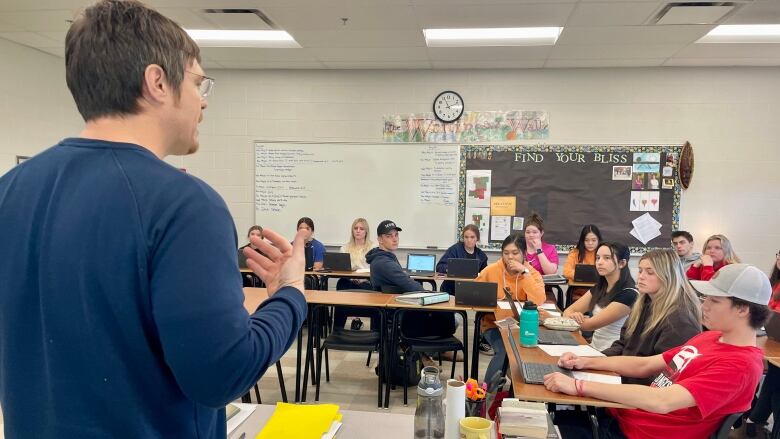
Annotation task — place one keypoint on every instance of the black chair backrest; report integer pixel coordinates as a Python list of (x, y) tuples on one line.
[(723, 431)]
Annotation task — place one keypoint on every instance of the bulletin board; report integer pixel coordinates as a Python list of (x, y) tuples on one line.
[(631, 192)]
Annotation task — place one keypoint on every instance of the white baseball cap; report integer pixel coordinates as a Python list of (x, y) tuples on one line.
[(742, 281)]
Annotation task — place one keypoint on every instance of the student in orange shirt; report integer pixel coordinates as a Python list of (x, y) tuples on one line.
[(583, 253), (511, 271)]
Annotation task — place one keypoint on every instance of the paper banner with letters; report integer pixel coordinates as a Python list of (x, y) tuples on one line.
[(473, 126)]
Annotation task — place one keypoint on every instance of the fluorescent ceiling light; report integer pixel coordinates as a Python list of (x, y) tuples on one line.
[(507, 36), (243, 38), (747, 33)]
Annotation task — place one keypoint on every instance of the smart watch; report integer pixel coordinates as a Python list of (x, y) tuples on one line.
[(539, 251)]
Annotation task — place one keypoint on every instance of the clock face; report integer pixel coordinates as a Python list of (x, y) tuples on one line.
[(448, 106)]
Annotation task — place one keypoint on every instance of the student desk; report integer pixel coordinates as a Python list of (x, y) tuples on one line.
[(771, 349), (378, 425), (324, 277), (570, 290), (537, 392)]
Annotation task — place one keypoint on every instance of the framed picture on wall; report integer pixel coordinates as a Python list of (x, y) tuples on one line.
[(21, 158)]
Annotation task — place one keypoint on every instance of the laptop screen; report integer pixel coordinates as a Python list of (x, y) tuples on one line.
[(421, 262)]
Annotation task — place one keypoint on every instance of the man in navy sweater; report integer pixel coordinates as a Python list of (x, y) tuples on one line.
[(121, 309)]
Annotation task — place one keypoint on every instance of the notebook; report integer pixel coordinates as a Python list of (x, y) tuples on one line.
[(464, 268), (586, 273), (420, 264)]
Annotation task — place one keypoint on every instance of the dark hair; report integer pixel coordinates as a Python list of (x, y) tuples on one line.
[(258, 228), (758, 313), (307, 221), (683, 233), (590, 228), (535, 220), (108, 48), (518, 240), (774, 278), (600, 294), (472, 228)]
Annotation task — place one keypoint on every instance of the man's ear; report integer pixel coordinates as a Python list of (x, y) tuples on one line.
[(155, 87)]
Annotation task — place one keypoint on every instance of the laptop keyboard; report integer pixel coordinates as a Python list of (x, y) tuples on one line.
[(533, 373), (556, 338)]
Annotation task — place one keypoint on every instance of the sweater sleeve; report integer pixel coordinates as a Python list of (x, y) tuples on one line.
[(675, 331), (395, 275), (533, 286), (694, 272), (213, 347), (571, 262), (706, 273), (441, 266)]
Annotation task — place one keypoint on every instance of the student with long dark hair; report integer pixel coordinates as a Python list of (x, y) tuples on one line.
[(666, 313), (511, 271), (605, 307), (584, 252)]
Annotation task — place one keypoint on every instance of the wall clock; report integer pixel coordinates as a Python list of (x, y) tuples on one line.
[(448, 106)]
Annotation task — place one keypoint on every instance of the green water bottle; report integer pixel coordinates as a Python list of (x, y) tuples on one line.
[(529, 325)]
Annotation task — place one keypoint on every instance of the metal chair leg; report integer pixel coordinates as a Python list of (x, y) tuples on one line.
[(319, 374), (281, 380), (368, 360), (454, 357), (327, 367), (257, 393)]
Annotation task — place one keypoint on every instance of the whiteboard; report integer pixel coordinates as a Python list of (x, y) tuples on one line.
[(415, 185)]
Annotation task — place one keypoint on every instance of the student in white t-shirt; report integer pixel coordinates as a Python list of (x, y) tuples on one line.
[(605, 307)]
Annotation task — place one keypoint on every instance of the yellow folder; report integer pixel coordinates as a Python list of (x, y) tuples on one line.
[(300, 421)]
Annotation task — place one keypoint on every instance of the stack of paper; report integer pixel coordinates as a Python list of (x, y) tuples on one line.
[(302, 421), (523, 419), (646, 228), (236, 414)]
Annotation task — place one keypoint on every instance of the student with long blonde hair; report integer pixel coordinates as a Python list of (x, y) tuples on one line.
[(666, 312), (357, 246), (717, 253)]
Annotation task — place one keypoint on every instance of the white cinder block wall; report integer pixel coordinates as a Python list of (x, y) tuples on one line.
[(728, 114)]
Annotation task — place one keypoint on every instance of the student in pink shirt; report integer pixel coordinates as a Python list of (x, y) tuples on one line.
[(542, 256)]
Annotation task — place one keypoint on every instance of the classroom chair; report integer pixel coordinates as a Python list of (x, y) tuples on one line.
[(248, 399), (723, 431), (351, 340)]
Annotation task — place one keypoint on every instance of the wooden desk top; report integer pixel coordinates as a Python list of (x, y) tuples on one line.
[(581, 284), (537, 392), (349, 274), (771, 347), (253, 297), (377, 300), (443, 306)]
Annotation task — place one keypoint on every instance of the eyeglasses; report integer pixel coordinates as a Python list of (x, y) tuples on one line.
[(206, 86)]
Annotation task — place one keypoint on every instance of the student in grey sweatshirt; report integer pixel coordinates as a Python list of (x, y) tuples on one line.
[(682, 242)]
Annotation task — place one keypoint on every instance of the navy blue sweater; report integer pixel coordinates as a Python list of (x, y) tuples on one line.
[(387, 274), (458, 251), (121, 309)]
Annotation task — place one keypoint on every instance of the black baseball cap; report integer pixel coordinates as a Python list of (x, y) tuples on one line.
[(386, 227)]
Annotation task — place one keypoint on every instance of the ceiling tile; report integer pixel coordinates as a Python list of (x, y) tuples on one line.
[(377, 64), (253, 54), (612, 14), (679, 34), (187, 18), (40, 21), (505, 64), (621, 62), (489, 53), (758, 12), (496, 15), (31, 39), (714, 62), (354, 38), (615, 51), (370, 54), (323, 16), (726, 50), (271, 65)]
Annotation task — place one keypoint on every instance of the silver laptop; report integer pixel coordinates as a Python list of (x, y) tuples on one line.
[(420, 264)]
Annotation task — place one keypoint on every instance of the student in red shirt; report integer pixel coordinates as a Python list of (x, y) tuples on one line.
[(697, 385), (718, 253)]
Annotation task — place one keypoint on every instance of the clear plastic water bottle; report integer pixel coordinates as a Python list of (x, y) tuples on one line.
[(529, 325), (429, 414)]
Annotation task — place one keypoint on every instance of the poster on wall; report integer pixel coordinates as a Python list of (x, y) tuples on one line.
[(473, 126), (478, 188)]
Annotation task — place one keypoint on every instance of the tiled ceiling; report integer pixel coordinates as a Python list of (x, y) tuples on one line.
[(387, 34)]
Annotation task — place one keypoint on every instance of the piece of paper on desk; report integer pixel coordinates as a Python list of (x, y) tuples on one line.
[(548, 306), (503, 304), (363, 270), (244, 410), (553, 313), (582, 350), (596, 377)]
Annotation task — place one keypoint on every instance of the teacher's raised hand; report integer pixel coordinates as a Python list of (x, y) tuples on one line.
[(280, 264)]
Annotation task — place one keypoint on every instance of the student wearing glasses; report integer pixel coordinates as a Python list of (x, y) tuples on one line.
[(665, 314)]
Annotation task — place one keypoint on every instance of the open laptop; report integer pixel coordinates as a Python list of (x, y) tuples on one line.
[(533, 373), (420, 264), (464, 268), (773, 327), (337, 262), (475, 293), (546, 336), (586, 273)]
